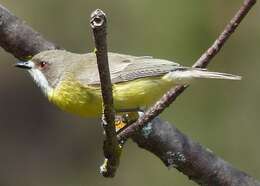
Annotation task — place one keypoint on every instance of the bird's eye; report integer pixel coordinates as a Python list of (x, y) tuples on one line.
[(42, 64)]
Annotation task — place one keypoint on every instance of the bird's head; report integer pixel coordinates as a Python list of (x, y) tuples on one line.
[(46, 68)]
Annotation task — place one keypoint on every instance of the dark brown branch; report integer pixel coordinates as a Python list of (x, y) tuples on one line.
[(162, 139), (202, 62), (18, 38), (198, 163), (111, 146)]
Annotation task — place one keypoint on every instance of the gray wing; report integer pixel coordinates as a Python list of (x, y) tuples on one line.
[(125, 68), (145, 66)]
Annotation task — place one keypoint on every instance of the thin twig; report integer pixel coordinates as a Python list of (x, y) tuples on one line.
[(111, 147), (230, 28), (202, 62)]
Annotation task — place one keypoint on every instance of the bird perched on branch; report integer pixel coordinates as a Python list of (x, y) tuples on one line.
[(71, 81)]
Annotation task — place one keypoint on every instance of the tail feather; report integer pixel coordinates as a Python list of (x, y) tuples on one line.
[(185, 75)]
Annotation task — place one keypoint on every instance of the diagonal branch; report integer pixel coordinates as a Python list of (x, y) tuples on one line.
[(208, 55), (111, 148), (18, 38), (199, 164), (202, 62)]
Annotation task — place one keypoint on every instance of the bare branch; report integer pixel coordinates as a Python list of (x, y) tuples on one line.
[(206, 57), (111, 146), (18, 38), (198, 163), (202, 62)]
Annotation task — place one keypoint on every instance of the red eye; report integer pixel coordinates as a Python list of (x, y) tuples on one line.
[(43, 64)]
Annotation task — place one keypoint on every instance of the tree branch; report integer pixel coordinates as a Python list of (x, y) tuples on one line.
[(162, 139), (202, 62), (111, 148), (207, 56), (198, 163), (18, 38)]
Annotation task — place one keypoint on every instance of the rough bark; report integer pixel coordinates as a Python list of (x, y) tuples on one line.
[(178, 151), (19, 39), (111, 148)]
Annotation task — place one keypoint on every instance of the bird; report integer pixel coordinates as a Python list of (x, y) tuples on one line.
[(71, 81)]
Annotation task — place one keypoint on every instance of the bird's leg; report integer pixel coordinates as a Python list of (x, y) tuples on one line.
[(122, 120), (127, 117), (119, 123)]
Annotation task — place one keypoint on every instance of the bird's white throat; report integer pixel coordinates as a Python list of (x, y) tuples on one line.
[(41, 81)]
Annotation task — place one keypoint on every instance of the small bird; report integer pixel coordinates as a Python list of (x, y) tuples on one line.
[(71, 81)]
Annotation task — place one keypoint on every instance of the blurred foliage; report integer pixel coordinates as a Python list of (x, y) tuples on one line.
[(40, 145)]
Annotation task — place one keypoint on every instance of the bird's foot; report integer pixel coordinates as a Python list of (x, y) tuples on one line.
[(119, 124)]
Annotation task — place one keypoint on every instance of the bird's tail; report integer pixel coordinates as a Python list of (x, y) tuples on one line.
[(185, 75)]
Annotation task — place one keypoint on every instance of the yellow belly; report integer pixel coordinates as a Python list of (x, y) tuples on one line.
[(86, 101)]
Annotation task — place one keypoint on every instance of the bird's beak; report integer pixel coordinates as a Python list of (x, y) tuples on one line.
[(24, 64)]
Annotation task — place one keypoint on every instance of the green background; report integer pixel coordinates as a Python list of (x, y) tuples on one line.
[(40, 145)]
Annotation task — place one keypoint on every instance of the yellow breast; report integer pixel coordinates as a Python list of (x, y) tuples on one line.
[(73, 97)]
